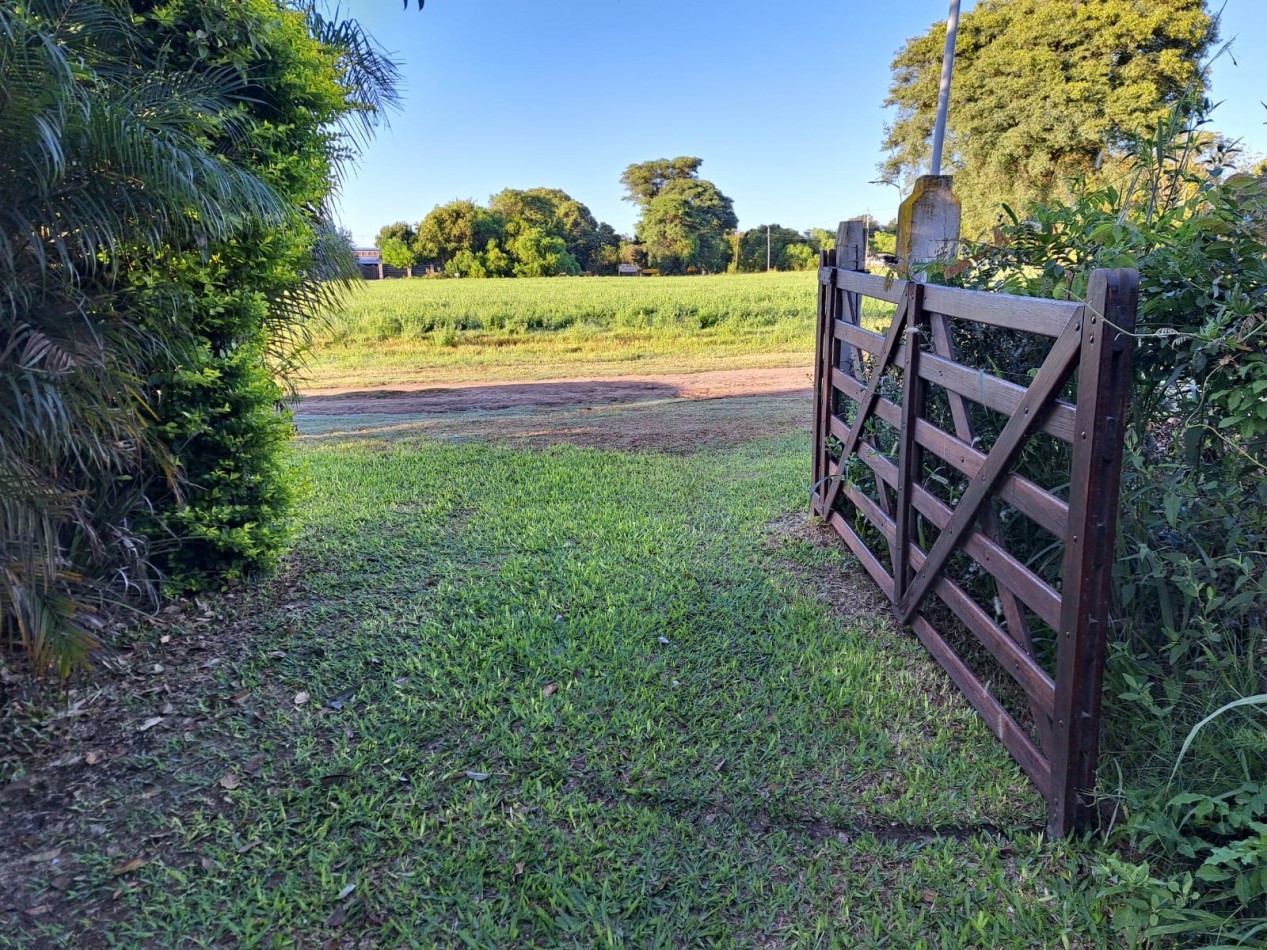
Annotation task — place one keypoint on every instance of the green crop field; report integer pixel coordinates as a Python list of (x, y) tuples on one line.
[(416, 331)]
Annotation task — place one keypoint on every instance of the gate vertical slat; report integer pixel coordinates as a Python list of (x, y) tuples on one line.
[(822, 381), (1103, 387), (851, 255), (908, 461)]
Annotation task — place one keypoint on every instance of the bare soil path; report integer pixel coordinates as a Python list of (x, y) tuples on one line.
[(487, 395), (676, 413)]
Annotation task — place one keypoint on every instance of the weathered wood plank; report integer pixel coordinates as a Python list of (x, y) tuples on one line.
[(979, 386), (1051, 377), (1031, 500), (1027, 314), (908, 466), (870, 285), (822, 384)]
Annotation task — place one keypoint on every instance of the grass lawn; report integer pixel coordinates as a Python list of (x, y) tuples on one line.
[(434, 331), (554, 696)]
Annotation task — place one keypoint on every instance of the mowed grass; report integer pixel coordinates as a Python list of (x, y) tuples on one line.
[(564, 697), (424, 330)]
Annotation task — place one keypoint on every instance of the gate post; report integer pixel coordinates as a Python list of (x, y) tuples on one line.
[(928, 224), (851, 254), (822, 378), (1104, 379)]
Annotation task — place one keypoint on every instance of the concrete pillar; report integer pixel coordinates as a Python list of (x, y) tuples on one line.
[(928, 222)]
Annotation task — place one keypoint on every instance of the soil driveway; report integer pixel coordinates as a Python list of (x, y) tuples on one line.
[(486, 396)]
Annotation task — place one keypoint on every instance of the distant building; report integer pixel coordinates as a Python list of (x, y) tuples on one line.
[(627, 270), (370, 260)]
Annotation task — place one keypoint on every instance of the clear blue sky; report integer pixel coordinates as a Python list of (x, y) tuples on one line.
[(782, 100)]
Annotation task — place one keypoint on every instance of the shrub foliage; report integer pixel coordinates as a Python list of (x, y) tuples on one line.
[(1185, 677), (164, 169)]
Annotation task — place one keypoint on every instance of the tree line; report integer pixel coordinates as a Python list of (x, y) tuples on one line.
[(686, 225)]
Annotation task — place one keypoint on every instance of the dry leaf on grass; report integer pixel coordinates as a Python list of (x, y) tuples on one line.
[(149, 723), (230, 780), (301, 698), (129, 866), (550, 689)]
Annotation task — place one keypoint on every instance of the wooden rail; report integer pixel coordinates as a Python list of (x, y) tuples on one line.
[(868, 383)]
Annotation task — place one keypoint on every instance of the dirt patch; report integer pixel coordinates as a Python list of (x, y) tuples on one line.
[(851, 594), (495, 395), (677, 426)]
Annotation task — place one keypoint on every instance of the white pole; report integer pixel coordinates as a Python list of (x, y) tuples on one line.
[(943, 93)]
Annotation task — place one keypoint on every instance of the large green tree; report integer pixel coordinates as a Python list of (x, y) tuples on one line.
[(559, 215), (310, 86), (686, 223), (645, 180), (1044, 91), (399, 246), (458, 226)]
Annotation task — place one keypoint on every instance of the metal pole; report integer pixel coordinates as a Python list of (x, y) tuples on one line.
[(943, 93)]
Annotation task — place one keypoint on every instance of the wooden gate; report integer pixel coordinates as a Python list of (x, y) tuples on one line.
[(903, 473)]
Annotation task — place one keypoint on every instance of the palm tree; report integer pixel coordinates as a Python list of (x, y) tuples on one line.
[(115, 152), (90, 166)]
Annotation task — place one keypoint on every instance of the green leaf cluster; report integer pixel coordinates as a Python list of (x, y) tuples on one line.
[(246, 303), (687, 224), (1191, 572), (164, 168), (1044, 91)]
